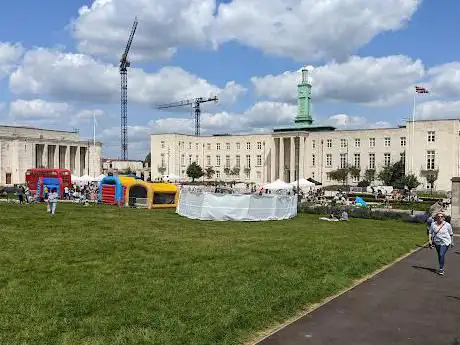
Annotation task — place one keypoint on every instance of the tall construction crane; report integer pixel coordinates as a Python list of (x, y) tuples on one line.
[(124, 64), (196, 105)]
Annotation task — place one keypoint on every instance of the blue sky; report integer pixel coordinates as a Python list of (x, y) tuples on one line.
[(60, 65)]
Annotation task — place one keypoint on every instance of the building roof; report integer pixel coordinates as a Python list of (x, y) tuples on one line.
[(40, 129)]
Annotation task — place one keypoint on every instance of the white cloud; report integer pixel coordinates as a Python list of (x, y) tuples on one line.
[(86, 115), (38, 109), (10, 55), (103, 28), (78, 77), (366, 80), (438, 110), (310, 29), (301, 29), (343, 120), (445, 80)]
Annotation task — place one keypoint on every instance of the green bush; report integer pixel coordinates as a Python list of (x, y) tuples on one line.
[(361, 212)]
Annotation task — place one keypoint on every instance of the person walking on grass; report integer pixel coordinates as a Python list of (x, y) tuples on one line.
[(441, 236), (52, 201)]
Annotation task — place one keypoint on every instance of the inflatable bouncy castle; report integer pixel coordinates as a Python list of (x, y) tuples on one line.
[(112, 189), (165, 195), (50, 183), (151, 195)]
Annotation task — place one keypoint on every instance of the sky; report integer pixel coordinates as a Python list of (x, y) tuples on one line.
[(59, 65)]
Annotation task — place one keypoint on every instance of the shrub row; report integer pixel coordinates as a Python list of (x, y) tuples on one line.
[(366, 213)]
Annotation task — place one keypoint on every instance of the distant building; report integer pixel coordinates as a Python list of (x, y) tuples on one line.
[(22, 148), (120, 166), (260, 158)]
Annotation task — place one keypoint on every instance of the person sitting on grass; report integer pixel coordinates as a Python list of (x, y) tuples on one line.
[(441, 236)]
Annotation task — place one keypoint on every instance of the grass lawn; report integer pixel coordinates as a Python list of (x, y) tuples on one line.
[(106, 275)]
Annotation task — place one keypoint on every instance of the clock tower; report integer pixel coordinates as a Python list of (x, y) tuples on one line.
[(304, 100)]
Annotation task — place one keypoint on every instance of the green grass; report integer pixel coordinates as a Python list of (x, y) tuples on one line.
[(103, 275)]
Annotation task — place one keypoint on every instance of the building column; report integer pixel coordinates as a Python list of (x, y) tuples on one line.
[(281, 160), (77, 162), (301, 157), (45, 156), (273, 161), (67, 159), (292, 160), (455, 221), (56, 156)]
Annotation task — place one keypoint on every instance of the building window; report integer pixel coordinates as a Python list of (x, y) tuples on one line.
[(328, 176), (259, 160), (313, 174), (247, 173), (227, 146), (217, 161), (189, 159), (386, 159), (182, 160), (313, 160), (357, 142), (248, 146), (371, 160), (208, 160), (343, 160), (227, 161), (248, 161), (402, 157), (371, 142), (162, 159), (430, 157), (328, 160), (196, 158), (217, 174), (343, 142), (258, 175), (218, 147), (329, 143), (189, 145), (196, 146), (208, 146), (162, 144), (357, 160), (431, 136), (387, 142), (313, 144), (238, 162), (355, 179), (403, 141), (237, 146), (259, 145)]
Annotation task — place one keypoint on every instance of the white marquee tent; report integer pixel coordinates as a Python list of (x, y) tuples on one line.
[(303, 183), (278, 185)]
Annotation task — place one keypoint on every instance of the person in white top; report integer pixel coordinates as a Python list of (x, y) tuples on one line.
[(441, 236)]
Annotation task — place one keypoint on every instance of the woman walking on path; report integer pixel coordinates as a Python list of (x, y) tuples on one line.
[(441, 235)]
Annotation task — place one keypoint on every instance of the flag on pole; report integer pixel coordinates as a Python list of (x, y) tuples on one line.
[(421, 89)]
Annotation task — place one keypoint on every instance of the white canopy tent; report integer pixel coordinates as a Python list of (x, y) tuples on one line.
[(303, 183), (278, 185), (171, 178)]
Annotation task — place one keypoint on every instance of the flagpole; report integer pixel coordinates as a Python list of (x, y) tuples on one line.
[(413, 134)]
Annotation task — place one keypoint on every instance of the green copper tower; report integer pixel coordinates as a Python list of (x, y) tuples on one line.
[(303, 117)]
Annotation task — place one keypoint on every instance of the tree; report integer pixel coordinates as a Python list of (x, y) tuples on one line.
[(209, 172), (354, 172), (369, 175), (431, 176), (148, 160), (227, 171), (411, 181), (235, 171), (393, 175), (247, 171), (194, 171), (339, 175)]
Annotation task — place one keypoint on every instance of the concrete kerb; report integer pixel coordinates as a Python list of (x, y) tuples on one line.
[(269, 332)]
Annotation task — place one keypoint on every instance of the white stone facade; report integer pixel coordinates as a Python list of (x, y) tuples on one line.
[(117, 165), (431, 144), (23, 148)]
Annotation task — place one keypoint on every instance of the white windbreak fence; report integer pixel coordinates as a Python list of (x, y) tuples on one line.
[(214, 206)]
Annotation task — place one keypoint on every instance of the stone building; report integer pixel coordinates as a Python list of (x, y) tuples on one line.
[(261, 158), (116, 166), (22, 148)]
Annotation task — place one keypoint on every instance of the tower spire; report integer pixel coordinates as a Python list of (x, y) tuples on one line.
[(304, 100)]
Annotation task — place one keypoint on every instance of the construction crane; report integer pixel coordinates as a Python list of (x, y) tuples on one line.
[(124, 64), (196, 105)]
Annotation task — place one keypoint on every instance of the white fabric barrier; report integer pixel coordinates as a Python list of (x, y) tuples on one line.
[(212, 206)]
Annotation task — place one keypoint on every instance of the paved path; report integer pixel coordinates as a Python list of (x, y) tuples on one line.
[(406, 304)]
